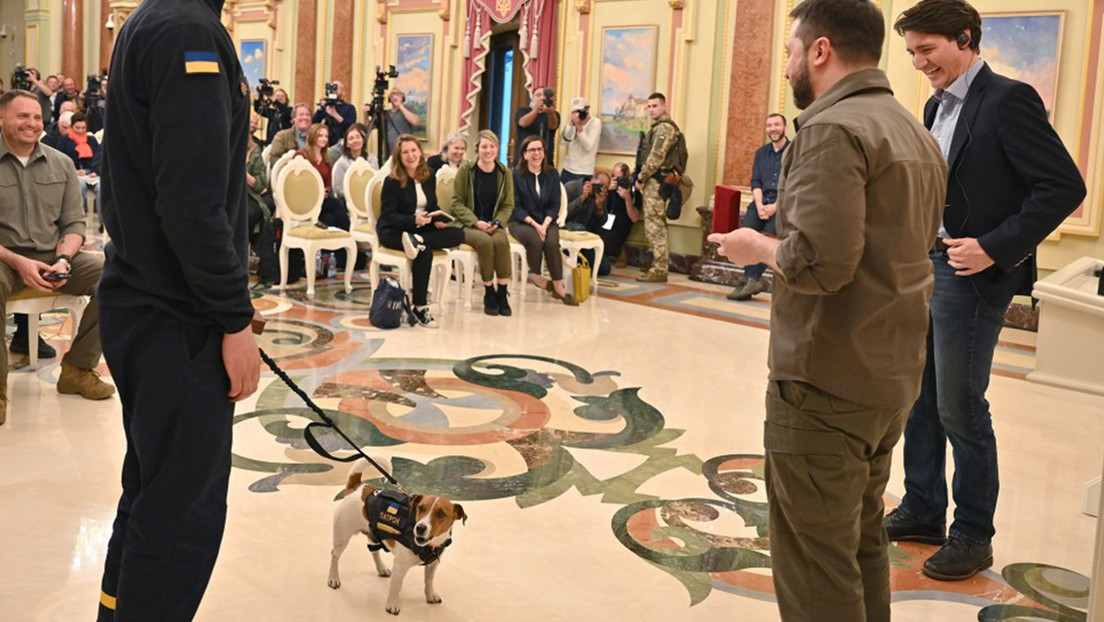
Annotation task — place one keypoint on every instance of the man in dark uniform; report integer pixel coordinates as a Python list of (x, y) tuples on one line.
[(175, 306)]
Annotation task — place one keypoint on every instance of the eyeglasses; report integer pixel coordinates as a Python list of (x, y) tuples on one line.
[(536, 150)]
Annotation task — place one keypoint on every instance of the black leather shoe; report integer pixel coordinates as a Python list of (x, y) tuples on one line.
[(901, 528), (958, 560), (19, 346)]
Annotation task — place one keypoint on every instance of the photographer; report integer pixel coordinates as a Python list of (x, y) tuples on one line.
[(94, 101), (30, 80), (274, 106), (540, 118), (604, 207), (399, 119), (334, 111), (581, 135)]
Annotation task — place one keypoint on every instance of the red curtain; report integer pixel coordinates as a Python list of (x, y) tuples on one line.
[(538, 43)]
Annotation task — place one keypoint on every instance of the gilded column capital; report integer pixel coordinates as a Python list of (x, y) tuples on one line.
[(582, 6), (445, 11), (677, 5)]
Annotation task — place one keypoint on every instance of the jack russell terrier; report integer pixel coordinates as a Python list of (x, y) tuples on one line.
[(417, 529)]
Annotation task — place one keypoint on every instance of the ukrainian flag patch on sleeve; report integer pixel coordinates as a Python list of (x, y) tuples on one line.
[(200, 62)]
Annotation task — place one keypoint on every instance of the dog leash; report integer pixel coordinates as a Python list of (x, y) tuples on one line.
[(308, 432)]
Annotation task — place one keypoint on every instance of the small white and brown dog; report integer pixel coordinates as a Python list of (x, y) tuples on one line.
[(416, 529)]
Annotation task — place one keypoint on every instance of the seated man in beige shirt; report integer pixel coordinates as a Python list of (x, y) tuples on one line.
[(41, 234)]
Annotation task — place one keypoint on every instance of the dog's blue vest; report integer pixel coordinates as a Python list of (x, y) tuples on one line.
[(390, 517)]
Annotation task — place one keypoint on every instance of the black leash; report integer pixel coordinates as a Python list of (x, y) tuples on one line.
[(308, 432)]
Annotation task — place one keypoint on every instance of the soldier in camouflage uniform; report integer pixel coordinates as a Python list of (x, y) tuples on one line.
[(658, 152)]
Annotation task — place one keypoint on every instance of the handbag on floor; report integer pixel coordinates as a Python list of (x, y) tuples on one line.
[(268, 254), (390, 305), (580, 279)]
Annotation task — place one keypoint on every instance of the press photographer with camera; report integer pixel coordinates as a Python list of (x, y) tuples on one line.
[(539, 118), (28, 79), (272, 104), (603, 206), (581, 135), (335, 112)]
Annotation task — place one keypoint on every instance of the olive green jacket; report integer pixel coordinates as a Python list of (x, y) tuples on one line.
[(463, 195)]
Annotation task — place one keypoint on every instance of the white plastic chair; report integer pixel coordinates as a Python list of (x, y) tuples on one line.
[(33, 302), (298, 193)]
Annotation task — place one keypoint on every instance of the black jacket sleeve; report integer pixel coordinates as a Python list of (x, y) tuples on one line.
[(191, 132), (1043, 164)]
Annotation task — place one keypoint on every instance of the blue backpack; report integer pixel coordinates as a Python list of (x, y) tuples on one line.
[(390, 305)]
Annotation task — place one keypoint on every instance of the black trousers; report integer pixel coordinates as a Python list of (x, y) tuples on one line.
[(435, 238), (177, 419), (335, 214)]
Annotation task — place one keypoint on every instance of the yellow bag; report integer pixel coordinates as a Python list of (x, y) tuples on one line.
[(580, 279)]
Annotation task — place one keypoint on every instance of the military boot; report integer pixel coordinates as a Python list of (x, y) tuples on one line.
[(83, 382)]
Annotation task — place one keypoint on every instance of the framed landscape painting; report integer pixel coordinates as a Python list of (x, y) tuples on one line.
[(415, 64), (253, 62), (1026, 47), (627, 77)]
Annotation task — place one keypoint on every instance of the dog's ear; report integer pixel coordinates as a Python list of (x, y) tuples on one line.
[(458, 513), (414, 501)]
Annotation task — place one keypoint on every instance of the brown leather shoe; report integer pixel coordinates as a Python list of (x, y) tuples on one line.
[(652, 277), (83, 382)]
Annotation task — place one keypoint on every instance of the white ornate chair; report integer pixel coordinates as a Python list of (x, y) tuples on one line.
[(361, 223), (277, 166), (571, 242), (463, 257), (298, 193), (33, 302), (382, 256)]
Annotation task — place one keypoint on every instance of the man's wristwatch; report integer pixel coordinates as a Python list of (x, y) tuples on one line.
[(66, 258)]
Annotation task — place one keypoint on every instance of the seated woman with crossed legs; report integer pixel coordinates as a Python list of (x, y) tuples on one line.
[(534, 221), (408, 197), (483, 199)]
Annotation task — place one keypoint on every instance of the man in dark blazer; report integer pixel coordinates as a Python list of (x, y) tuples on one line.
[(1011, 182)]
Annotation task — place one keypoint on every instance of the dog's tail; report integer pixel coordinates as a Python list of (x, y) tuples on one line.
[(356, 474)]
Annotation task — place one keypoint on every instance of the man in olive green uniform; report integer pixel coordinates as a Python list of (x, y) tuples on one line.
[(660, 158), (860, 200)]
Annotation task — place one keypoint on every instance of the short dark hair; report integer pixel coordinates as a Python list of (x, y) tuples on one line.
[(856, 28), (658, 96), (8, 96), (78, 117), (949, 18), (777, 114)]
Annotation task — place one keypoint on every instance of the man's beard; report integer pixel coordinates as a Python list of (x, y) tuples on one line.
[(802, 88)]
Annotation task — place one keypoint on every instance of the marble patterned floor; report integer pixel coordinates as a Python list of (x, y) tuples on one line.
[(609, 458)]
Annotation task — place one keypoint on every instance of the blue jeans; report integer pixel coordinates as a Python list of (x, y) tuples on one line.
[(962, 336)]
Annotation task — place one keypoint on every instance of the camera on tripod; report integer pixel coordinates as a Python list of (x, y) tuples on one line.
[(21, 78), (376, 114)]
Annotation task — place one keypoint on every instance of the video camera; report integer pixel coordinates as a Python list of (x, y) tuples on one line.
[(550, 97), (331, 91), (21, 78), (95, 83), (376, 113), (265, 90)]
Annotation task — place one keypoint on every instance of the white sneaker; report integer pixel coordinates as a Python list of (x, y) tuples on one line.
[(412, 245), (424, 317)]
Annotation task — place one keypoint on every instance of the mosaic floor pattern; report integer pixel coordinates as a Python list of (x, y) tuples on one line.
[(609, 459)]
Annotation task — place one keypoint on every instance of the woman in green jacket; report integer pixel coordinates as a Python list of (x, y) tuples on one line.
[(260, 206), (482, 201)]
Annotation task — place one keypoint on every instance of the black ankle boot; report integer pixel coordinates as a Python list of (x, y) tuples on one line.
[(490, 300), (503, 304)]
